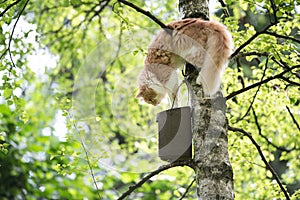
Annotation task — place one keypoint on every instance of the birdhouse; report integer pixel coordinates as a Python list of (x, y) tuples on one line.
[(175, 134)]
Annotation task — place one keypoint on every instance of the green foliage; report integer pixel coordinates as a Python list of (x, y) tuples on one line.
[(87, 100), (268, 119)]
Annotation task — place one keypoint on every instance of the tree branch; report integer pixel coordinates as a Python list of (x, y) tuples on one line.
[(284, 65), (224, 8), (289, 81), (274, 8), (253, 99), (8, 7), (87, 156), (12, 33), (269, 167), (281, 63), (240, 78), (264, 31), (251, 39), (253, 53), (266, 138), (294, 119), (3, 1), (282, 36), (147, 13), (90, 14), (3, 54), (160, 169), (86, 19), (261, 82), (187, 189)]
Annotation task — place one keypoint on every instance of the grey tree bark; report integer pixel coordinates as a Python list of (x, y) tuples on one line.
[(213, 170)]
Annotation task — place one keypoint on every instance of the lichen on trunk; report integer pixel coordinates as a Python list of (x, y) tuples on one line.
[(194, 9)]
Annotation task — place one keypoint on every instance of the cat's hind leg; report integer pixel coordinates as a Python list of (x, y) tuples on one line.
[(209, 77)]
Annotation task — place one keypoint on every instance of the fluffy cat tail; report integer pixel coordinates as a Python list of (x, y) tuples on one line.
[(219, 49)]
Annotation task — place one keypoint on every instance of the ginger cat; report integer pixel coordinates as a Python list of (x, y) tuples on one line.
[(205, 44)]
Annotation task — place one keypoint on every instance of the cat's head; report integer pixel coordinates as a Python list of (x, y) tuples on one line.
[(149, 95)]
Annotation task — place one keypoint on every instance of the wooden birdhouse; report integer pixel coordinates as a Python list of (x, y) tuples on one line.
[(174, 134)]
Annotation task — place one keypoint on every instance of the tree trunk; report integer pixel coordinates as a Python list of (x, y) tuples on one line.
[(213, 169)]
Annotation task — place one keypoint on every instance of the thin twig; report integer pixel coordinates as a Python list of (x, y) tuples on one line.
[(87, 157), (118, 13), (289, 81), (251, 39), (3, 1), (274, 8), (90, 167), (224, 8), (282, 36), (160, 169), (3, 54), (11, 36), (187, 189), (8, 7), (266, 138), (283, 64), (68, 36), (86, 18), (261, 82), (258, 88), (252, 53), (240, 78), (269, 167), (294, 119), (147, 13)]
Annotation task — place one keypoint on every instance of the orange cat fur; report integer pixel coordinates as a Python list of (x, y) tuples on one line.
[(205, 44)]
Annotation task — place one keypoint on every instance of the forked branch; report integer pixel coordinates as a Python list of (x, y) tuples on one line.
[(280, 75), (293, 118), (11, 36), (269, 167), (159, 170), (147, 13)]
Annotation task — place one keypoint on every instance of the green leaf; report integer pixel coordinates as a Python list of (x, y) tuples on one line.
[(52, 156), (66, 3), (5, 77), (135, 52), (35, 148), (7, 93), (10, 102), (24, 117), (75, 2), (4, 109)]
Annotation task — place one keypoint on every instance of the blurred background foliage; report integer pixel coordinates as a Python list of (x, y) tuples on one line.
[(72, 84)]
